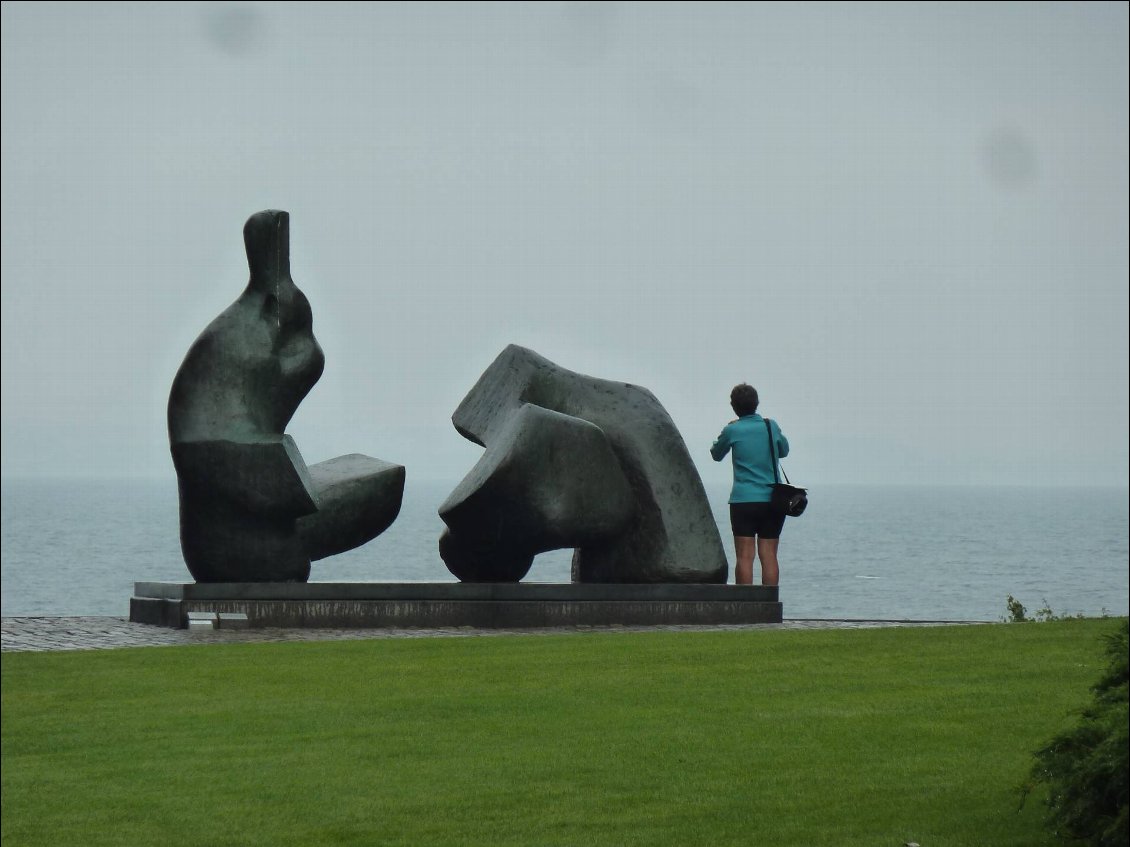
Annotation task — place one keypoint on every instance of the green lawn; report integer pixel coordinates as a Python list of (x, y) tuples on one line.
[(866, 737)]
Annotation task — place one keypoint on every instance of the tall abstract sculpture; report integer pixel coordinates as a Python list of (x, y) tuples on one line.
[(250, 508), (575, 461)]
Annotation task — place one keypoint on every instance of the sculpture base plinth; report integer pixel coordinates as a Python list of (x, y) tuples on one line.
[(348, 605)]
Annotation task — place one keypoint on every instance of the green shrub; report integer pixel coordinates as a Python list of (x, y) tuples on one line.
[(1016, 611), (1085, 768)]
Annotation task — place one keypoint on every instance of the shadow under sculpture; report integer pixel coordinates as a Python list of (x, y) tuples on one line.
[(250, 508), (575, 461)]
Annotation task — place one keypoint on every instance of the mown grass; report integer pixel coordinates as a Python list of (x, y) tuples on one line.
[(869, 737)]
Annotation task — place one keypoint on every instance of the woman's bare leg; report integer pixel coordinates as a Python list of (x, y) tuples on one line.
[(770, 570), (746, 549)]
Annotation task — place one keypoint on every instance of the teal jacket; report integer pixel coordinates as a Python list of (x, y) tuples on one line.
[(748, 442)]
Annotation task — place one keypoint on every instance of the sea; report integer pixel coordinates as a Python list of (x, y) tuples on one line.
[(75, 547)]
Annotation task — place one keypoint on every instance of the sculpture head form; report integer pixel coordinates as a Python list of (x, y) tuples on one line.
[(266, 236)]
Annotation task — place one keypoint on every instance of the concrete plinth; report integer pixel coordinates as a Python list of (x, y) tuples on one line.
[(342, 605)]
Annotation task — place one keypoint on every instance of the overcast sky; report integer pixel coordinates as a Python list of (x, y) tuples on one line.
[(906, 225)]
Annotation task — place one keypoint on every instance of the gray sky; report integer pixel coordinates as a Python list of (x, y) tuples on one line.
[(905, 224)]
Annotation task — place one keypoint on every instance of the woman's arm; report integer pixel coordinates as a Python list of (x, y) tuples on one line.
[(782, 443), (721, 445)]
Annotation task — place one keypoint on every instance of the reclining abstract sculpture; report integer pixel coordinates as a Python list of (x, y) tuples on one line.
[(250, 509), (575, 461)]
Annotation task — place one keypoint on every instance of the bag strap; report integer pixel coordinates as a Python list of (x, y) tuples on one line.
[(773, 453), (768, 430)]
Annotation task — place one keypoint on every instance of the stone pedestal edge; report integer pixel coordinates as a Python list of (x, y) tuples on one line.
[(512, 606)]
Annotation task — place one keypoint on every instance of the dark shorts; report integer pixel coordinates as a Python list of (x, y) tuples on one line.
[(760, 519)]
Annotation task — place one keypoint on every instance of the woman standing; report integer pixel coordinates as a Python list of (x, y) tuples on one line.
[(756, 525)]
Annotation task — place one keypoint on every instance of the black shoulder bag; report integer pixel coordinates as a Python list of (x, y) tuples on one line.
[(786, 498)]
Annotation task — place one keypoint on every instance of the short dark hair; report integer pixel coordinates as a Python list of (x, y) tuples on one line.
[(743, 400)]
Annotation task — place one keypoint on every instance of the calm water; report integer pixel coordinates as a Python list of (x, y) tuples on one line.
[(77, 547)]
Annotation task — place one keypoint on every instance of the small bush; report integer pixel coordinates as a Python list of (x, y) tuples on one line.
[(1016, 611), (1085, 768)]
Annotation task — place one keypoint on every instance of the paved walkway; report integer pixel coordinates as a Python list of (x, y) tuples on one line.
[(108, 633)]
